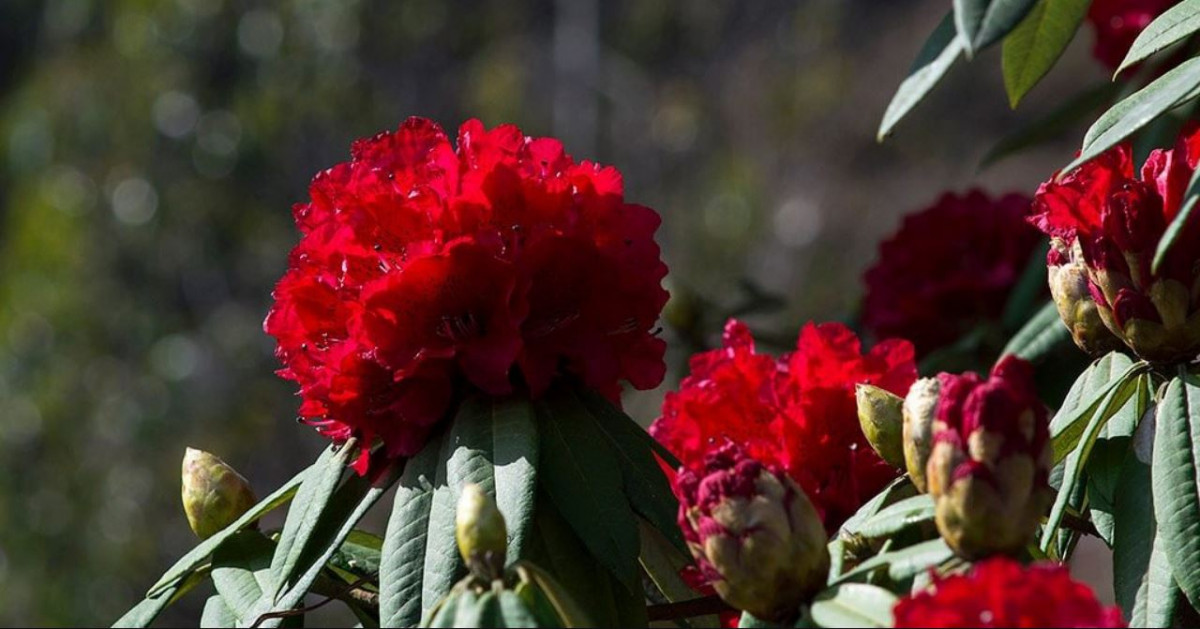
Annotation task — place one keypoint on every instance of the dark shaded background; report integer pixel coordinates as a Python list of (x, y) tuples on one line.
[(150, 152)]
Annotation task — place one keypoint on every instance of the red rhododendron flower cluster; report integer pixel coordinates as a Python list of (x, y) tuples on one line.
[(948, 268), (796, 412), (1118, 23), (424, 268), (1113, 220), (1003, 593)]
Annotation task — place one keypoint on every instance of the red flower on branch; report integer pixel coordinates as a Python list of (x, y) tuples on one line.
[(1118, 23), (796, 412), (949, 267), (425, 269), (1003, 593), (1106, 218)]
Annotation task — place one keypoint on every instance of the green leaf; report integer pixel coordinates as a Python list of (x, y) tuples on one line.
[(1054, 125), (217, 613), (897, 490), (1158, 595), (853, 605), (1113, 373), (402, 562), (981, 23), (582, 477), (146, 611), (1173, 26), (348, 506), (1035, 45), (1073, 465), (1176, 501), (901, 564), (898, 517), (558, 550), (1177, 86), (935, 58), (1175, 229), (1041, 335), (513, 612), (241, 570), (749, 621), (202, 551), (310, 502), (1106, 464), (1133, 530), (645, 484), (515, 458)]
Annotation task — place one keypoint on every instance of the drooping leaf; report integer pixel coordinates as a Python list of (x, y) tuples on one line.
[(1112, 374), (1174, 479), (1176, 87), (1041, 335), (981, 23), (899, 516), (663, 564), (1175, 229), (1158, 595), (935, 58), (241, 570), (581, 474), (1133, 530), (853, 605), (146, 611), (557, 549), (1106, 464), (901, 564), (402, 561), (645, 484), (217, 614), (515, 459), (1173, 26), (898, 490), (310, 502), (1035, 45)]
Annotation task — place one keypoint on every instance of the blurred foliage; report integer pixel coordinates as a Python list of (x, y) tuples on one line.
[(150, 151)]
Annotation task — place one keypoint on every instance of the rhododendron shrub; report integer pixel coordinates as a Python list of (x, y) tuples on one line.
[(426, 268), (461, 317)]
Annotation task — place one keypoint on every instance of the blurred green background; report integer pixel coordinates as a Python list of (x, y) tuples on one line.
[(150, 152)]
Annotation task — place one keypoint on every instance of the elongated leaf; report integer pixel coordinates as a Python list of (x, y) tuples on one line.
[(663, 564), (360, 554), (1134, 530), (935, 58), (982, 23), (898, 517), (645, 484), (1113, 372), (897, 490), (311, 499), (146, 611), (349, 505), (1035, 45), (558, 550), (241, 569), (853, 605), (1175, 229), (202, 551), (1173, 26), (581, 474), (515, 458), (1116, 398), (903, 563), (217, 613), (402, 563), (1108, 459), (1159, 595), (1174, 474), (1177, 86)]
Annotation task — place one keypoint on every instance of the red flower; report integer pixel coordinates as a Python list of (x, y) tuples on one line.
[(948, 268), (424, 269), (796, 412), (1118, 23), (1114, 220), (1002, 593)]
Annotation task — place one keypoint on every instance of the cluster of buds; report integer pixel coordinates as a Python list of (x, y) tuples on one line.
[(1106, 224), (214, 494), (980, 447), (989, 468), (754, 533)]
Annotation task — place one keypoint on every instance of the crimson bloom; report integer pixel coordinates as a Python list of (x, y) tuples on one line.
[(1003, 593), (796, 413), (948, 268), (1118, 23), (425, 270), (1106, 222)]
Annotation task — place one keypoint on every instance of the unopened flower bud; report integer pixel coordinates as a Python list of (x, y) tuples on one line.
[(882, 422), (1069, 287), (919, 407), (481, 533), (989, 469), (754, 534), (214, 494)]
